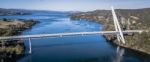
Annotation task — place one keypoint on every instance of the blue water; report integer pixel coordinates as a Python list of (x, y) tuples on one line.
[(89, 48)]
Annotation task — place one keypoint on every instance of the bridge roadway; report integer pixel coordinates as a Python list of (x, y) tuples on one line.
[(70, 34)]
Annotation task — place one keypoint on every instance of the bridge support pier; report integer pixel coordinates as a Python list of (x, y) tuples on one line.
[(3, 45), (30, 47)]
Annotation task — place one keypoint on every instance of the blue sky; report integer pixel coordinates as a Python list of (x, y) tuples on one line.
[(73, 5)]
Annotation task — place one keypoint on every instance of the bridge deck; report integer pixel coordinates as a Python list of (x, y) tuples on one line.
[(68, 34)]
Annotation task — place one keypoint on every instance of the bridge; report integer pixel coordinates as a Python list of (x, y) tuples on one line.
[(70, 34), (118, 31)]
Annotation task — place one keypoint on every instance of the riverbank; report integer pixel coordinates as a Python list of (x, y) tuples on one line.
[(130, 19), (13, 49)]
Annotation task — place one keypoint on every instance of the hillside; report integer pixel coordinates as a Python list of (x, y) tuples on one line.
[(130, 19)]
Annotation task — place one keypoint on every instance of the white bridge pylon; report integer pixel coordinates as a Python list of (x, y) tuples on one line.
[(120, 36)]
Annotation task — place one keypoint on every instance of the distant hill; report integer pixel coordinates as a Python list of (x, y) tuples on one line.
[(4, 12)]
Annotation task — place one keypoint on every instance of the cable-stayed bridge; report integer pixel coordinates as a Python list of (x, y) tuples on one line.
[(118, 31), (70, 34)]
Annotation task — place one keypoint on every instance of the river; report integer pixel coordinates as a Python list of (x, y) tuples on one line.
[(86, 48)]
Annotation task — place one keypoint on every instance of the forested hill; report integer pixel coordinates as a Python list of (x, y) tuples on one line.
[(130, 19)]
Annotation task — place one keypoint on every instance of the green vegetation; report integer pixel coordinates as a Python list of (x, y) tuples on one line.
[(11, 49), (130, 19)]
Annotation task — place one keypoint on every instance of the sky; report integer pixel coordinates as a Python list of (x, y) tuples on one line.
[(74, 5)]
